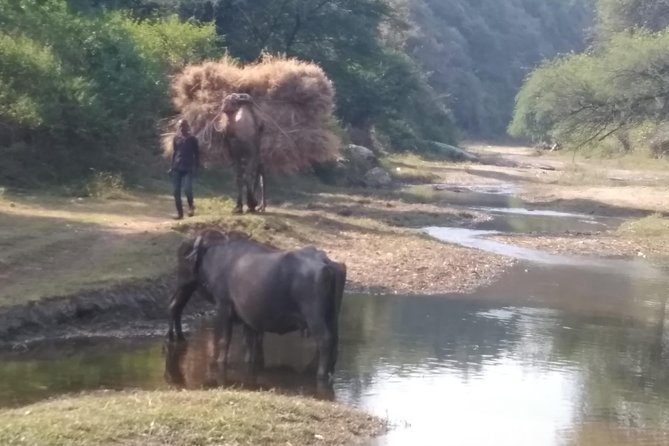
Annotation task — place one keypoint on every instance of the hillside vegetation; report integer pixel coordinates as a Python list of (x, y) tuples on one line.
[(84, 84), (613, 96)]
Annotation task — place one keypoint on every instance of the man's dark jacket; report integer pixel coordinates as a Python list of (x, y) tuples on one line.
[(186, 153)]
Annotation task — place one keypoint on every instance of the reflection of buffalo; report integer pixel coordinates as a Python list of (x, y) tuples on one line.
[(265, 289), (289, 360)]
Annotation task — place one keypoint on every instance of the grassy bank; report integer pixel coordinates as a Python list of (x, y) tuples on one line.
[(195, 417), (57, 245)]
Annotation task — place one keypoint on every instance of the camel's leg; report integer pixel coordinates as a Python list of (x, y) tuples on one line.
[(251, 177), (238, 166), (261, 185)]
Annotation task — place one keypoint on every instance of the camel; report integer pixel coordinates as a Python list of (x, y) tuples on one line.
[(243, 130)]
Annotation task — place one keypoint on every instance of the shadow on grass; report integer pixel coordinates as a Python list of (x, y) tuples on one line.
[(47, 256)]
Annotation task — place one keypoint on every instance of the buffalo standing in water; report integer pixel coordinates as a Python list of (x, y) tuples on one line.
[(265, 289)]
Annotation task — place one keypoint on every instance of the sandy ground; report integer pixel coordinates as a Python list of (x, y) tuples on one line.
[(584, 245)]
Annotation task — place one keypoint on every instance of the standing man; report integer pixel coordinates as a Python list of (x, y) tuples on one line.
[(185, 162)]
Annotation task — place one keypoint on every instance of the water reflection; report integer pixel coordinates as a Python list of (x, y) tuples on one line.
[(290, 365), (466, 373)]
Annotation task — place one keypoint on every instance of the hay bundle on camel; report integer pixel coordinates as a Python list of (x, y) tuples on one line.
[(292, 100)]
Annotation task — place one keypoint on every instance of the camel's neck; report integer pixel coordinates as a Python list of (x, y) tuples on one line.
[(242, 123)]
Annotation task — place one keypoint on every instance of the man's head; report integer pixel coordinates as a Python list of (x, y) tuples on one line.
[(183, 127)]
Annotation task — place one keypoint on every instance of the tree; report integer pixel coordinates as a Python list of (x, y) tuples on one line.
[(587, 97), (476, 54), (82, 91), (621, 83), (377, 85), (615, 16)]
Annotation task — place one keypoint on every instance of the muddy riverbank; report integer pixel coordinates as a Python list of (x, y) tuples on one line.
[(75, 316)]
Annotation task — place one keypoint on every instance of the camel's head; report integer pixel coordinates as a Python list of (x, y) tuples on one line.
[(233, 102)]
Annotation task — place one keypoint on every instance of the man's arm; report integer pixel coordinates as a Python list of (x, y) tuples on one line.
[(174, 152), (196, 152)]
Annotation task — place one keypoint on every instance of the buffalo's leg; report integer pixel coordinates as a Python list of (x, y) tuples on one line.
[(333, 327), (222, 333), (259, 350), (254, 347), (323, 337), (249, 343), (177, 303), (174, 355)]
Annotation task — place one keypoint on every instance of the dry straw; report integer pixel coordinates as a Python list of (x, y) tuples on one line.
[(294, 99)]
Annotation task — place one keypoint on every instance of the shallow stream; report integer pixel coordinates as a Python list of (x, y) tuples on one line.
[(559, 351)]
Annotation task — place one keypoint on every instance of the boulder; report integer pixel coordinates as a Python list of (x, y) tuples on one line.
[(377, 177), (360, 155)]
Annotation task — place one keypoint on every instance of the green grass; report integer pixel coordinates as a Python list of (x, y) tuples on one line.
[(410, 168), (583, 175), (650, 227), (51, 245), (215, 417), (604, 158)]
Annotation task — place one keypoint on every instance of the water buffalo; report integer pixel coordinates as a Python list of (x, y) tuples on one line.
[(266, 290)]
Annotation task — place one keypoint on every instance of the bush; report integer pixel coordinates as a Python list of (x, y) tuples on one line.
[(85, 91), (587, 97)]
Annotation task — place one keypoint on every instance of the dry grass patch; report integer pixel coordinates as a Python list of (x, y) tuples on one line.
[(644, 237), (652, 226), (580, 175), (375, 237), (412, 264), (603, 245), (216, 417), (650, 233), (411, 169)]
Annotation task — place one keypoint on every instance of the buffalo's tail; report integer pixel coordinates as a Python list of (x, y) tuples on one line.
[(197, 252), (334, 287)]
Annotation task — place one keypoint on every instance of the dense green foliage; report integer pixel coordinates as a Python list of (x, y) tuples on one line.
[(84, 83), (79, 92), (621, 15), (619, 85), (377, 85), (478, 52), (590, 96)]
